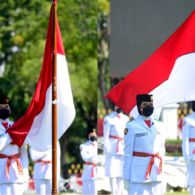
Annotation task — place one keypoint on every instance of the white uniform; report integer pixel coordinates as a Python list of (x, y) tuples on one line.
[(141, 142), (42, 174), (188, 148), (90, 157), (114, 125), (13, 177)]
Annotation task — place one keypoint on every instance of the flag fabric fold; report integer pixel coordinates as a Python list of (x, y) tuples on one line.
[(36, 125), (168, 74)]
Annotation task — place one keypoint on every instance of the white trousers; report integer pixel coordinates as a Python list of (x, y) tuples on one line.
[(43, 186), (116, 184), (152, 188), (12, 189), (89, 187), (192, 190)]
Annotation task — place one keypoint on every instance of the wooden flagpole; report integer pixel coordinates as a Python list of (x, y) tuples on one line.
[(54, 100)]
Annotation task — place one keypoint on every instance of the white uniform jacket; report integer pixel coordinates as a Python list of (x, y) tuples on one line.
[(188, 137), (18, 169), (143, 139), (43, 163), (89, 155), (113, 130)]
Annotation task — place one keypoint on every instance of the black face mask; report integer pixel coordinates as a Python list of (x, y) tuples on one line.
[(118, 110), (147, 111), (193, 106), (4, 113), (93, 138)]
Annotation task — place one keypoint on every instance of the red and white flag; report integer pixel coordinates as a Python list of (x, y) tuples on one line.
[(36, 124), (168, 74)]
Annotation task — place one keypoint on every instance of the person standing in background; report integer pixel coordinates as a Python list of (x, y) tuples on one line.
[(113, 135), (188, 148), (89, 154), (42, 174)]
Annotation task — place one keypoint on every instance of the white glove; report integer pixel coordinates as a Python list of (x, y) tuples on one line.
[(5, 140), (126, 184)]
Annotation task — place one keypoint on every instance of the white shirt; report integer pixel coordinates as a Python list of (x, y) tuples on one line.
[(9, 149), (113, 131), (141, 138), (89, 155)]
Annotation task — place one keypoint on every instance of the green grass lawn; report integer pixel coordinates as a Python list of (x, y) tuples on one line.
[(177, 193), (169, 193)]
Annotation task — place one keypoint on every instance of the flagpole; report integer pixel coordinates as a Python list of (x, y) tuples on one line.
[(54, 100)]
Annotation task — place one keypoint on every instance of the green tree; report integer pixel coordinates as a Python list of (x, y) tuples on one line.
[(103, 53), (22, 40)]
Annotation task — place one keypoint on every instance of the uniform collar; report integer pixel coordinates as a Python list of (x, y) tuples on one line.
[(4, 120), (142, 120), (145, 118), (117, 114), (93, 143)]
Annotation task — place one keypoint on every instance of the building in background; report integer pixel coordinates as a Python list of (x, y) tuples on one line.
[(138, 28)]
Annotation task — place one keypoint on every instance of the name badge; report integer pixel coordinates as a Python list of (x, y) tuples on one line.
[(141, 134)]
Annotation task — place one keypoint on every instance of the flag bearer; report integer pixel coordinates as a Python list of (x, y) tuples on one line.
[(113, 130), (188, 148), (13, 160), (89, 155), (144, 151)]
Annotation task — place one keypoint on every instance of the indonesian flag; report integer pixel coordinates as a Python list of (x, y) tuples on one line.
[(36, 124), (168, 74)]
